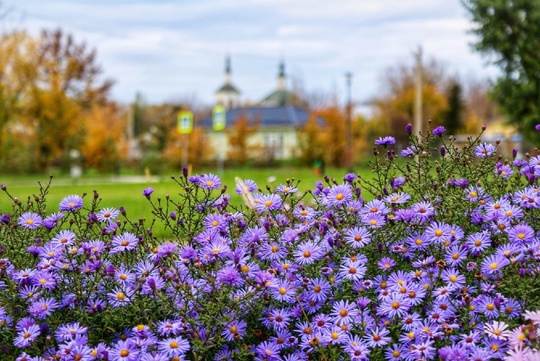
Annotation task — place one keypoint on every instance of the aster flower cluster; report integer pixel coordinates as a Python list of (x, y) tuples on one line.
[(435, 258)]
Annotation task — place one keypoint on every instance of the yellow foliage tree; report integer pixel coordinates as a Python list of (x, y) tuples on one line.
[(396, 107), (198, 148), (239, 134), (105, 138)]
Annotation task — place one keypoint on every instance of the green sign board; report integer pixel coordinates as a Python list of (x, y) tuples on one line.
[(218, 118), (185, 122)]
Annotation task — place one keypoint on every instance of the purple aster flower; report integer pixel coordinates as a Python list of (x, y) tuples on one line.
[(504, 171), (455, 255), (496, 329), (152, 284), (43, 307), (147, 192), (438, 232), (27, 336), (272, 251), (396, 352), (230, 276), (422, 351), (107, 214), (209, 181), (386, 263), (286, 189), (268, 202), (349, 177), (537, 127), (478, 241), (283, 291), (71, 203), (304, 213), (318, 289), (454, 280), (486, 304), (124, 242), (374, 220), (424, 211), (120, 297), (438, 131), (385, 141), (64, 238), (378, 337), (334, 335), (235, 330), (217, 249), (30, 220), (51, 221), (484, 150), (344, 312), (522, 233), (353, 270), (248, 185), (410, 151), (174, 347), (338, 195), (123, 276), (277, 318), (397, 182), (124, 351), (267, 351), (494, 264), (217, 221), (397, 198), (357, 237), (396, 304), (70, 331), (307, 253), (44, 279)]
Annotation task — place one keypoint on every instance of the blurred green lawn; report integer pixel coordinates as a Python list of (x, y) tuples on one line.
[(126, 191)]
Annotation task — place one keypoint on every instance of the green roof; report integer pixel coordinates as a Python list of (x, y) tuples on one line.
[(229, 88), (279, 98)]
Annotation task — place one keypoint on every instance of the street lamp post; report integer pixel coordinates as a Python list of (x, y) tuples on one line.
[(348, 126)]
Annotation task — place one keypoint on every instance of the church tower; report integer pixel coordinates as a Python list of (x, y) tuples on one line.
[(228, 95)]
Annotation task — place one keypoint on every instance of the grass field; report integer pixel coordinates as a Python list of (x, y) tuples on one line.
[(126, 191)]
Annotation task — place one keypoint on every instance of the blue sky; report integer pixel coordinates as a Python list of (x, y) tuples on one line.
[(175, 50)]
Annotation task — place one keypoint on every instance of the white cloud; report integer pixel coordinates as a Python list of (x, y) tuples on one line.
[(165, 48)]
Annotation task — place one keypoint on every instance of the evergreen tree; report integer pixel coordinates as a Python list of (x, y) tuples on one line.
[(452, 117), (509, 34)]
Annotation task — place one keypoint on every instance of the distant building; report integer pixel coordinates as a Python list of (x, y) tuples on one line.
[(278, 116)]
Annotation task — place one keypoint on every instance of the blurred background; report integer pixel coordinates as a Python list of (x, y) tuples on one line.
[(146, 87)]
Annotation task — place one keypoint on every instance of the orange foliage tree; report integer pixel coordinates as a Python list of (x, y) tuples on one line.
[(105, 138), (198, 148), (396, 107), (239, 134)]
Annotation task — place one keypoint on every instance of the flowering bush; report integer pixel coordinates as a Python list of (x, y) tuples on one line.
[(438, 261)]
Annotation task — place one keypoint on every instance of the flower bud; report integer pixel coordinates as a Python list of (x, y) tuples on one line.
[(408, 128)]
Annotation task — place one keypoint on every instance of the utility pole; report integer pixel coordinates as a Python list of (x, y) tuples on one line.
[(418, 92), (348, 126)]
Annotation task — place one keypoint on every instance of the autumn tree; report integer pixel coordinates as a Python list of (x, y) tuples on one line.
[(239, 134), (68, 84), (105, 138), (509, 36), (16, 73), (395, 107), (333, 136), (310, 146)]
